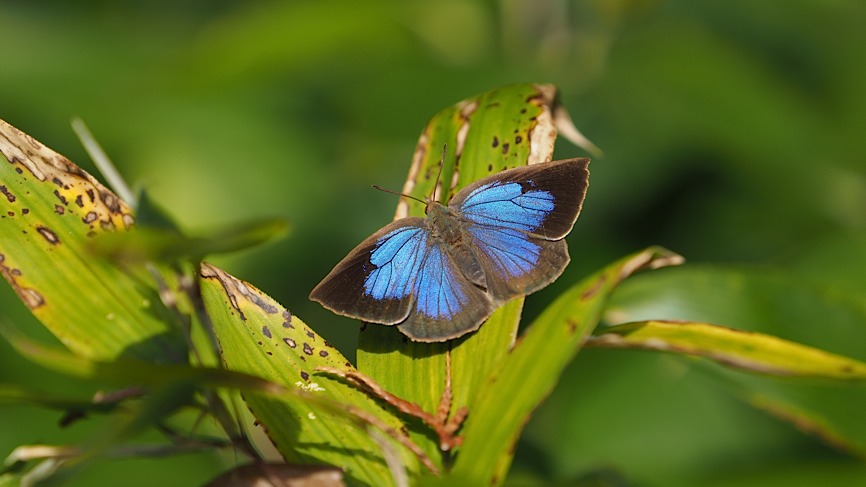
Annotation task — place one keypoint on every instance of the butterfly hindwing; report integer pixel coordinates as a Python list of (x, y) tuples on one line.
[(374, 282), (446, 304)]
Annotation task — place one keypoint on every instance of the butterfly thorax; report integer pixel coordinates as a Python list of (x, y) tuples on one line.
[(447, 226), (444, 224)]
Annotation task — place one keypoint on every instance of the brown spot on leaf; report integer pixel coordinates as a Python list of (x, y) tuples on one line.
[(495, 141), (79, 201), (31, 298), (59, 209), (505, 148), (61, 197), (266, 332), (305, 375), (57, 181), (518, 139), (9, 196), (111, 201), (599, 283), (308, 349), (25, 211), (311, 334), (91, 195), (19, 170), (323, 353), (90, 217), (48, 235), (290, 342)]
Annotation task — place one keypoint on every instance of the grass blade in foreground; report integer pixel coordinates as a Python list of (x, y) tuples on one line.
[(260, 337), (529, 373), (51, 209), (751, 351)]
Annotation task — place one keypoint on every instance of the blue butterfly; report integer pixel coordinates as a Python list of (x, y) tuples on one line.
[(440, 277)]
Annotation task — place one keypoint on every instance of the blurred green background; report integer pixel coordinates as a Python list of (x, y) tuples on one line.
[(732, 134)]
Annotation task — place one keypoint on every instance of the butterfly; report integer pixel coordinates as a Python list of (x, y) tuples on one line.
[(438, 278)]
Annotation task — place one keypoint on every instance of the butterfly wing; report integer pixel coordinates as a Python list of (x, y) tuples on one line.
[(375, 281), (402, 274), (516, 221), (446, 304)]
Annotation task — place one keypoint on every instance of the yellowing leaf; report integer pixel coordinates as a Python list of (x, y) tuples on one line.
[(49, 211), (742, 349)]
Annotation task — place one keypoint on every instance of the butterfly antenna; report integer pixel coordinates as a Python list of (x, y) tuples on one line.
[(384, 190), (439, 174)]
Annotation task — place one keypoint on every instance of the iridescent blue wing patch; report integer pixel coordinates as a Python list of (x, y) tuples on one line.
[(374, 282), (446, 304), (516, 220), (542, 200)]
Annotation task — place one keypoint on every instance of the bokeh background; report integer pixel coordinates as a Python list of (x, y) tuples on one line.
[(732, 133)]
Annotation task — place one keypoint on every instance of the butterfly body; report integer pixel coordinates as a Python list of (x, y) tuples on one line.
[(439, 277)]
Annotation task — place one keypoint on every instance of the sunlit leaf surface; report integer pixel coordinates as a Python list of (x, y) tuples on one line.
[(51, 209), (258, 336)]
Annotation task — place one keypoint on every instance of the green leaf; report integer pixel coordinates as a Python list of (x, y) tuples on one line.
[(751, 351), (531, 370), (779, 303), (258, 336), (504, 128), (148, 244), (131, 371), (51, 209)]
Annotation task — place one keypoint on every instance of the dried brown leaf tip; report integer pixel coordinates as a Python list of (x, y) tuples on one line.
[(278, 474)]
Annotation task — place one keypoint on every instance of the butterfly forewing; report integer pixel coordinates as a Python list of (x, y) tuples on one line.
[(542, 199), (375, 281)]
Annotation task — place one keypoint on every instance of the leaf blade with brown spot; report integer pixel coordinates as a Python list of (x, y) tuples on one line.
[(288, 353), (52, 210)]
